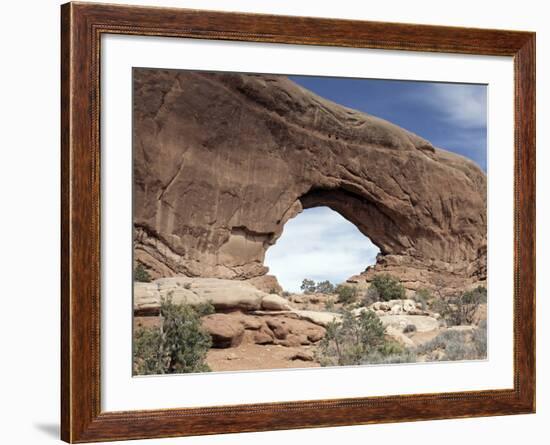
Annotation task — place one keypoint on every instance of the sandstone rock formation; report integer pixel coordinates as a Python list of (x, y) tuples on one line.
[(422, 323), (225, 330), (222, 161), (225, 296), (231, 329)]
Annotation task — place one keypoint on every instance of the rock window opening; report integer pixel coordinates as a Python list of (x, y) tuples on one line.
[(319, 244)]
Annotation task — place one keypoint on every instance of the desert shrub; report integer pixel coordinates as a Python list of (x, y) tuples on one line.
[(390, 352), (179, 345), (308, 286), (456, 345), (346, 294), (391, 347), (329, 306), (352, 340), (479, 339), (371, 296), (424, 297), (141, 275), (286, 294), (446, 345), (324, 287), (475, 296), (273, 291), (461, 309), (388, 287), (378, 358), (149, 354)]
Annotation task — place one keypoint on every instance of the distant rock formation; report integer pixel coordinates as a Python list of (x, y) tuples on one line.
[(223, 161)]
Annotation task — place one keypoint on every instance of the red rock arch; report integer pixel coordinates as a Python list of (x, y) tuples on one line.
[(222, 161)]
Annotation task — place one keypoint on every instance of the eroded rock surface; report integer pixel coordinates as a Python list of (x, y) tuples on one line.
[(225, 296), (223, 161)]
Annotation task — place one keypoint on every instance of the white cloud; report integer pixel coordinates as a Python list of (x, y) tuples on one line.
[(464, 105), (321, 245)]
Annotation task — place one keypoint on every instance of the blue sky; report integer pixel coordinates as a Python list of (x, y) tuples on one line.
[(450, 116), (319, 243)]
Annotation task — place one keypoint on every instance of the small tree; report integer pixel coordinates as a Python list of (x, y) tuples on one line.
[(461, 309), (308, 286), (141, 275), (352, 340), (388, 287), (179, 345), (324, 287), (346, 294)]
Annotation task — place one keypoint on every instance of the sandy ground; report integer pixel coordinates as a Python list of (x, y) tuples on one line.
[(419, 338), (251, 357)]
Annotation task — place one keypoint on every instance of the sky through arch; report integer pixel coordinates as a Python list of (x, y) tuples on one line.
[(319, 244)]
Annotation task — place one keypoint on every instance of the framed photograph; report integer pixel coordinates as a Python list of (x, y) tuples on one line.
[(275, 222)]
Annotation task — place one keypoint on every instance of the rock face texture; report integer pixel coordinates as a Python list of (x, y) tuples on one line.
[(224, 295), (223, 161)]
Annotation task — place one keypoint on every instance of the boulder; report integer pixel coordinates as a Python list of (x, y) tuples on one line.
[(278, 328), (263, 337), (319, 318), (249, 322), (266, 283), (225, 330), (409, 306), (423, 323), (222, 161), (223, 294), (304, 356), (273, 302), (294, 340), (380, 306), (398, 336), (294, 331)]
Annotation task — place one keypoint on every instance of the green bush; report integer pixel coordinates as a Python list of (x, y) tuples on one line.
[(352, 340), (475, 296), (308, 286), (388, 287), (461, 309), (346, 294), (324, 287), (179, 345), (329, 306), (424, 297), (141, 275), (456, 345), (378, 358)]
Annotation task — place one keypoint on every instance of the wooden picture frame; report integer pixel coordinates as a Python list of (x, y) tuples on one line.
[(82, 26)]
